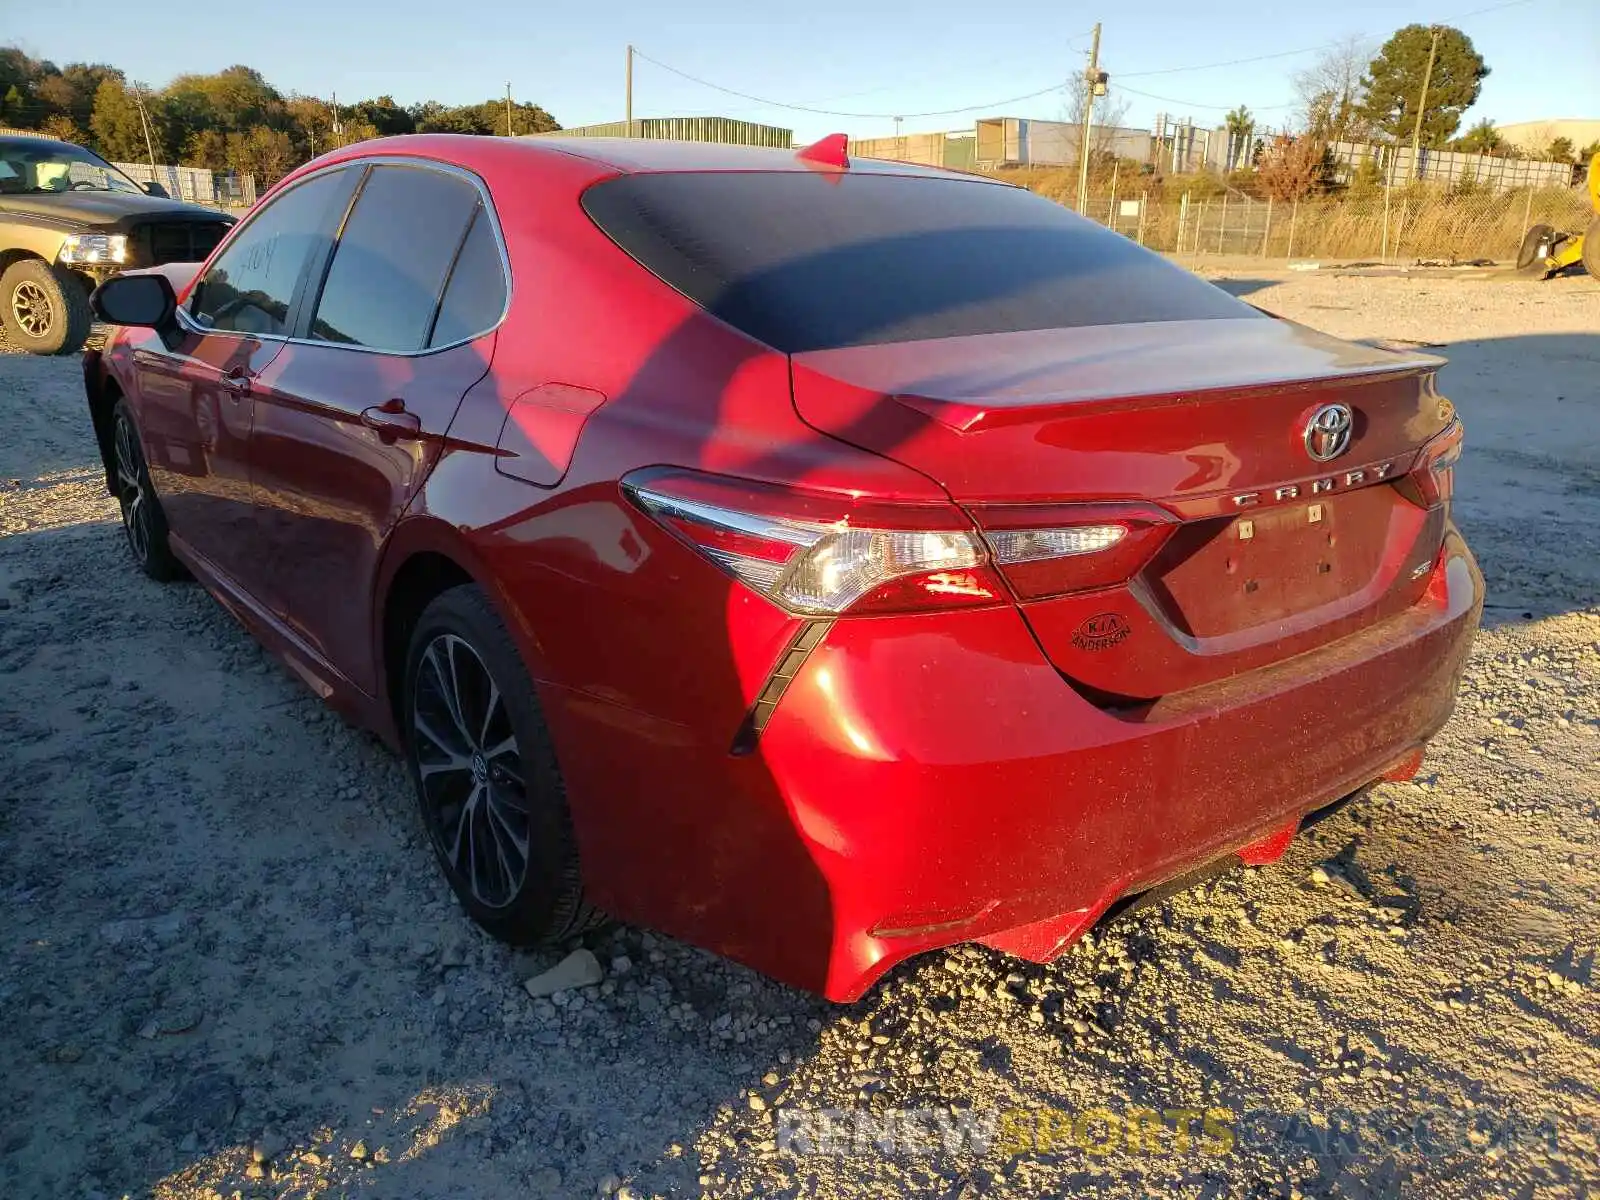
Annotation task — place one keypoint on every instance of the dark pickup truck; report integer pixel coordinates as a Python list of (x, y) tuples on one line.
[(69, 220)]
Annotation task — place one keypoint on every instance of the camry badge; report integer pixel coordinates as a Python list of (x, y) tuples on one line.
[(1358, 477), (1328, 431)]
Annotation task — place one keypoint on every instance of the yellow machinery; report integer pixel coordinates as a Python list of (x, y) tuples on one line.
[(1547, 250)]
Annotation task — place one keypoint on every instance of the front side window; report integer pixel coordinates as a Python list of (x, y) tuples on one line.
[(251, 285), (393, 259)]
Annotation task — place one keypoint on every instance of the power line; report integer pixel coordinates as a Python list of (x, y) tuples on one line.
[(921, 79), (947, 112), (1478, 12), (827, 112), (1194, 103), (1232, 62), (723, 111), (1239, 62)]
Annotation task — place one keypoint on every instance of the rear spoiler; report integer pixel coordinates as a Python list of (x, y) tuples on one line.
[(1050, 371)]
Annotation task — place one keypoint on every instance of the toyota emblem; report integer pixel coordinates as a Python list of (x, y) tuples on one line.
[(1328, 431)]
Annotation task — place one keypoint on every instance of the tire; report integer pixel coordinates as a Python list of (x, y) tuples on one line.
[(143, 521), (1591, 249), (45, 310), (1528, 252), (485, 772)]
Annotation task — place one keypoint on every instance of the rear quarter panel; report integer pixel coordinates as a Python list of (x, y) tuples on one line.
[(645, 657)]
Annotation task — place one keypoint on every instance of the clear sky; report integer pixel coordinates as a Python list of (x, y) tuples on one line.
[(860, 56)]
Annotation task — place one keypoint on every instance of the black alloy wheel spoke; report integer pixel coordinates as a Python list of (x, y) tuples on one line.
[(472, 787), (135, 511)]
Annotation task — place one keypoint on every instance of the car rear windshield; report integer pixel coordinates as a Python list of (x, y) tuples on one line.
[(812, 261)]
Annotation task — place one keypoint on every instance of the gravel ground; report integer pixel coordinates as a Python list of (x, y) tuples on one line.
[(228, 966)]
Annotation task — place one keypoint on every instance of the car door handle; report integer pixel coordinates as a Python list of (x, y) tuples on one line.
[(391, 420), (237, 381)]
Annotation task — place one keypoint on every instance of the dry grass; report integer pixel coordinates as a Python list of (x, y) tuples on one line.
[(1421, 222)]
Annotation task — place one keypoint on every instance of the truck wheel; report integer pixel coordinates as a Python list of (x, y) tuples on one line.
[(1528, 252), (1591, 249), (44, 310), (1528, 256)]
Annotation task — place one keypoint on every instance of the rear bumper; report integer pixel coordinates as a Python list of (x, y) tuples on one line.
[(947, 786)]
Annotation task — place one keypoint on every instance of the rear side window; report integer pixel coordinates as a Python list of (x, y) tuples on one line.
[(812, 261), (475, 296), (393, 257), (251, 284)]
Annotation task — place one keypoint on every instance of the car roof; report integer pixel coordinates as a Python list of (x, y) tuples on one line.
[(36, 143), (609, 157)]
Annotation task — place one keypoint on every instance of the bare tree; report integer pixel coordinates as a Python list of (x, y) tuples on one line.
[(1533, 141), (1110, 111), (1330, 91)]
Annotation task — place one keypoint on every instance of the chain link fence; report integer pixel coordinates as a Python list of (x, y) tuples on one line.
[(1403, 224), (198, 185)]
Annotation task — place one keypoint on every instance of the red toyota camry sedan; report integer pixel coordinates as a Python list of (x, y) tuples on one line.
[(819, 561)]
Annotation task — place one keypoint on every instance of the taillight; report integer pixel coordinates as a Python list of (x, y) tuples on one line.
[(817, 554), (1050, 551), (1434, 473)]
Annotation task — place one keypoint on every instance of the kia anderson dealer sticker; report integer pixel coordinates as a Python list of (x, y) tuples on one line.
[(1100, 632)]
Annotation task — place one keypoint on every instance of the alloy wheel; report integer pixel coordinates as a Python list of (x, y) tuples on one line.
[(30, 305), (131, 492), (473, 793)]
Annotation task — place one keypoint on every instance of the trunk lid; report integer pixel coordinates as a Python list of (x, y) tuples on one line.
[(1273, 551)]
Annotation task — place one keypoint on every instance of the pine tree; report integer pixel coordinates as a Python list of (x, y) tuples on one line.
[(1394, 83)]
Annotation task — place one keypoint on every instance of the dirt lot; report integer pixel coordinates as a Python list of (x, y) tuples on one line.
[(222, 940)]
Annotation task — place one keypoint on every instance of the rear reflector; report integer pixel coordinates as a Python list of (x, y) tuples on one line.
[(1406, 768)]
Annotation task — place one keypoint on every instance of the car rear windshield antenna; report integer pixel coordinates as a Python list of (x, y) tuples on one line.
[(829, 151)]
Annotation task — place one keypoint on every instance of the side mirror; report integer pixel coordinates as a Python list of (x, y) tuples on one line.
[(155, 189), (143, 300)]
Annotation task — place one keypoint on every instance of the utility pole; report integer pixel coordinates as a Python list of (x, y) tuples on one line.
[(628, 101), (510, 132), (144, 122), (1422, 106), (1092, 82), (338, 129)]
